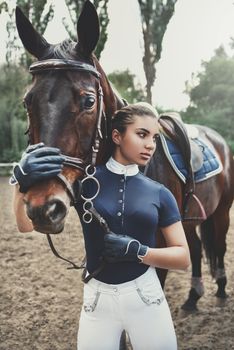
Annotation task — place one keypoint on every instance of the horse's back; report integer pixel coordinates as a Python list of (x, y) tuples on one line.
[(217, 143)]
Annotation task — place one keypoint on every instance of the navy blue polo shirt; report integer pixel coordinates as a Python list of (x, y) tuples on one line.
[(133, 205)]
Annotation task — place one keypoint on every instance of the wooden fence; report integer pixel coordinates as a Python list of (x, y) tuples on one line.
[(6, 169)]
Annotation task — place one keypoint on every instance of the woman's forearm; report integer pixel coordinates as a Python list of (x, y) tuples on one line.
[(175, 257)]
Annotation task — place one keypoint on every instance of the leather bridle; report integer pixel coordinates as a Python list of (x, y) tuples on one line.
[(69, 64), (78, 163)]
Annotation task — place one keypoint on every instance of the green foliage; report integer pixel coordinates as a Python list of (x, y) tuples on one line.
[(155, 16), (34, 10), (39, 15), (13, 119), (75, 7), (211, 95), (126, 85), (3, 6)]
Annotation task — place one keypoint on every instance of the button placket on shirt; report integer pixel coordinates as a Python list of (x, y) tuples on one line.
[(121, 198)]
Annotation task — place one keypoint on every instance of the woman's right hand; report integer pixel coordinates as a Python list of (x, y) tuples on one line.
[(38, 163)]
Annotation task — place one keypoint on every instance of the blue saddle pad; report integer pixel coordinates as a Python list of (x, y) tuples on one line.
[(211, 165)]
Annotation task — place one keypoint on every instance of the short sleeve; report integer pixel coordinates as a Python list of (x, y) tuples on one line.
[(168, 211)]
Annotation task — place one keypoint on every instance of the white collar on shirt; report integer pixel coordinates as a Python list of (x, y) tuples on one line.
[(118, 168)]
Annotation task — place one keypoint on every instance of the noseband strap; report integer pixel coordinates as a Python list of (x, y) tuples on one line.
[(74, 162)]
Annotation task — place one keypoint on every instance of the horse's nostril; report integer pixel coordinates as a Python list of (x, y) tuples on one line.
[(52, 212), (33, 212), (55, 211)]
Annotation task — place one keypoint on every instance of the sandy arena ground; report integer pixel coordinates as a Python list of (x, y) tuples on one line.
[(40, 300)]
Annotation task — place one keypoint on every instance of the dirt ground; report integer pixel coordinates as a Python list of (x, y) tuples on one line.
[(40, 299)]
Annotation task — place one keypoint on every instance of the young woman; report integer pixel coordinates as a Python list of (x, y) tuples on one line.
[(126, 293)]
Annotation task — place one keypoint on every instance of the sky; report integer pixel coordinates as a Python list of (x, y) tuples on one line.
[(196, 29)]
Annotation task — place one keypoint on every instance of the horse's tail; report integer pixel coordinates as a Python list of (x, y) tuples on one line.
[(208, 241)]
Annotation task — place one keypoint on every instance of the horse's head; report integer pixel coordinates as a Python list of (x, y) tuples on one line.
[(69, 105)]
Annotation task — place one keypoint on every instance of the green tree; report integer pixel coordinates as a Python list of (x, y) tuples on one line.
[(155, 16), (127, 86), (38, 13), (3, 6), (211, 95), (13, 120), (75, 7)]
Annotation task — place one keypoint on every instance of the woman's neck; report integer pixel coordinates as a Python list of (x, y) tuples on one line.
[(115, 167)]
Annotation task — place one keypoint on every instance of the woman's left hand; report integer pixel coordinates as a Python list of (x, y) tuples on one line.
[(119, 248)]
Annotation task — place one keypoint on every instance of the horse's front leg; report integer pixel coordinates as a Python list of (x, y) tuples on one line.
[(221, 280), (162, 273), (197, 287)]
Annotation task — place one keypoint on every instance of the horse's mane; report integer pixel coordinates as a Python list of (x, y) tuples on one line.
[(64, 49)]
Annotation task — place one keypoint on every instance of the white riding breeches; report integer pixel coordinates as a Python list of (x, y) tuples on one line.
[(139, 307)]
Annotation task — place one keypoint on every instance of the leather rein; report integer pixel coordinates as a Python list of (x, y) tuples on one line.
[(77, 163)]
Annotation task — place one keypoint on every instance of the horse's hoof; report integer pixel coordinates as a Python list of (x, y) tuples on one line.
[(221, 282), (221, 294), (189, 306), (191, 303), (221, 302)]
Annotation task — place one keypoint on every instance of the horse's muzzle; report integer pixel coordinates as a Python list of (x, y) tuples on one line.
[(48, 218)]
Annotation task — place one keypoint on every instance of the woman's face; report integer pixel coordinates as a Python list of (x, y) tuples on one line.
[(137, 144)]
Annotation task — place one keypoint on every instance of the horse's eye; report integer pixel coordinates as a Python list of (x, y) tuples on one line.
[(89, 102)]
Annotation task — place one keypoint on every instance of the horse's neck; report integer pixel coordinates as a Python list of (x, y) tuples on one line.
[(112, 99), (112, 102)]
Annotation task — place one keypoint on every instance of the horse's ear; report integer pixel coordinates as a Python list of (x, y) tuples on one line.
[(88, 29), (33, 42)]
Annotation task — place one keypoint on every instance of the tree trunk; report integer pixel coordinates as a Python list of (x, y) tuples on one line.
[(149, 64), (148, 93)]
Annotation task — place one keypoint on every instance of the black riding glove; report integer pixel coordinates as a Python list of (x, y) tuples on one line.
[(38, 163), (119, 248)]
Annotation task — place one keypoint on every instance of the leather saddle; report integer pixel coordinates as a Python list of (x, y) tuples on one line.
[(183, 135), (173, 126)]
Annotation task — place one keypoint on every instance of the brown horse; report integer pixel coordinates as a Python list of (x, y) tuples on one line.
[(216, 196), (70, 105)]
